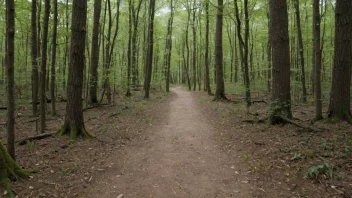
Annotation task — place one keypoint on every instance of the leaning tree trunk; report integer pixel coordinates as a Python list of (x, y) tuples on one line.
[(220, 86), (340, 97), (74, 122), (280, 61)]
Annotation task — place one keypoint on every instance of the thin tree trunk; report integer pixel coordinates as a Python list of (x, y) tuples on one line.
[(95, 54), (129, 48), (207, 79), (34, 57), (43, 66), (149, 61), (245, 55), (53, 63), (10, 59), (317, 57), (194, 62), (169, 46), (301, 49)]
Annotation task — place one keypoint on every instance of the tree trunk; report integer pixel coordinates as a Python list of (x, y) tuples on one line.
[(9, 169), (220, 87), (34, 58), (74, 122), (10, 59), (281, 96), (43, 66), (169, 46), (269, 54), (207, 79), (340, 97), (245, 55), (149, 62), (301, 50), (317, 57), (53, 63), (135, 51), (129, 49), (95, 54), (194, 62)]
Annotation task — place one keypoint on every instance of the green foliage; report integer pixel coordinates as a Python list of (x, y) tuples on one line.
[(29, 145), (326, 169)]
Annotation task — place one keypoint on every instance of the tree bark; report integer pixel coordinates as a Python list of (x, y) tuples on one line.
[(281, 96), (220, 86), (301, 50), (53, 63), (340, 97), (149, 62), (43, 66), (74, 122), (34, 58), (207, 79), (194, 61), (317, 57), (245, 55), (169, 46), (93, 85), (129, 49), (10, 59)]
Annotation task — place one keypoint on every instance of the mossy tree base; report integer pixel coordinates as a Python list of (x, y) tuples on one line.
[(74, 132), (282, 109), (338, 116), (10, 170)]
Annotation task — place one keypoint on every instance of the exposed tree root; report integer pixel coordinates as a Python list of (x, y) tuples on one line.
[(303, 126), (37, 137), (74, 132), (10, 171)]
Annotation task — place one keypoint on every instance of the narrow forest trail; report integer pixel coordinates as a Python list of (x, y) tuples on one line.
[(180, 158)]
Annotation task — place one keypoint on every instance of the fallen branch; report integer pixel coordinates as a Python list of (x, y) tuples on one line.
[(259, 101), (37, 137), (303, 126), (256, 121)]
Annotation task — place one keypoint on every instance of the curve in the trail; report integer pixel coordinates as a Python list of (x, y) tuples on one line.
[(180, 159)]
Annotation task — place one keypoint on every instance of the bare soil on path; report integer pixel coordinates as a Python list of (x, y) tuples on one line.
[(180, 157)]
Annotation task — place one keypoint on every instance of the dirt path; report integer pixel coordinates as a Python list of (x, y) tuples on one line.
[(180, 158)]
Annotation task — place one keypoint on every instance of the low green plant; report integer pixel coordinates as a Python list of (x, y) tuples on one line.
[(326, 169), (29, 145)]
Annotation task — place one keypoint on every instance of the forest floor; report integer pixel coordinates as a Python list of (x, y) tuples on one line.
[(184, 145)]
